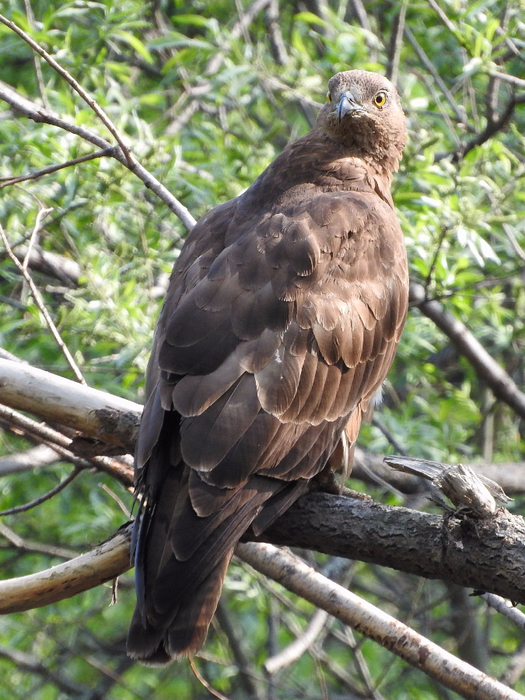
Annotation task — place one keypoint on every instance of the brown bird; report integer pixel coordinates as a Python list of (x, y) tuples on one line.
[(280, 324)]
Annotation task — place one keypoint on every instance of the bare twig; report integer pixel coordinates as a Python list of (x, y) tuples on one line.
[(514, 242), (204, 682), (61, 444), (443, 17), (360, 14), (39, 301), (7, 181), (427, 63), (28, 546), (361, 664), (45, 497), (32, 111), (248, 674), (296, 649), (274, 30), (34, 458), (492, 128), (42, 213), (396, 41), (38, 67), (505, 608), (506, 78), (74, 84), (65, 270), (515, 667)]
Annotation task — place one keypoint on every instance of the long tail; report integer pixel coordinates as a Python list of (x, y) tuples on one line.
[(181, 557)]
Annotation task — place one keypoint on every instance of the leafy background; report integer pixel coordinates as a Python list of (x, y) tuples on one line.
[(207, 94)]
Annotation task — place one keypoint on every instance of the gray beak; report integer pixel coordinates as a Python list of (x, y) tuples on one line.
[(348, 105)]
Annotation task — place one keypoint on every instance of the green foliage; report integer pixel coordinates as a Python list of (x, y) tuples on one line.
[(205, 108)]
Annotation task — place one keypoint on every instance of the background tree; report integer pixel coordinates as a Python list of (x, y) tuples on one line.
[(206, 94)]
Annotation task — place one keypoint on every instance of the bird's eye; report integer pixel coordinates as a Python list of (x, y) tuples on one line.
[(380, 99), (328, 97)]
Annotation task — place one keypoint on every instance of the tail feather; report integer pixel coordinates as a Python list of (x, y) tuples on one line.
[(181, 560), (184, 634)]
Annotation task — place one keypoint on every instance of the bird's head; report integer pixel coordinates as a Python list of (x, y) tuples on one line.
[(364, 114)]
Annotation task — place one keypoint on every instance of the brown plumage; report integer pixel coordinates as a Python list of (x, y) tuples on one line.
[(280, 324)]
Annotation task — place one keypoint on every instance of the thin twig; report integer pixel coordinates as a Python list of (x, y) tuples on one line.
[(28, 460), (205, 683), (28, 546), (274, 30), (488, 370), (443, 17), (6, 181), (506, 78), (45, 497), (38, 67), (60, 443), (42, 213), (492, 128), (427, 63), (76, 86), (302, 643), (39, 301), (32, 111), (505, 608), (396, 43)]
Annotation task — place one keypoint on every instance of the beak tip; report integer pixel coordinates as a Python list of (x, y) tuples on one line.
[(347, 105)]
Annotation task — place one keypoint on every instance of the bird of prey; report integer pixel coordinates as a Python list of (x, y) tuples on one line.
[(281, 321)]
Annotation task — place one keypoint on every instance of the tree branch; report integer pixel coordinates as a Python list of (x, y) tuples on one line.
[(462, 339), (95, 413), (111, 559), (419, 652), (33, 111)]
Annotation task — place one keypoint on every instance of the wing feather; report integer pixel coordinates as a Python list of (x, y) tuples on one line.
[(280, 323)]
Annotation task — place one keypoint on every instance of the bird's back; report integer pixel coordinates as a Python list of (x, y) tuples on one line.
[(281, 321)]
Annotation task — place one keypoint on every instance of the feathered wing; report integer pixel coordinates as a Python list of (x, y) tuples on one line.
[(280, 324)]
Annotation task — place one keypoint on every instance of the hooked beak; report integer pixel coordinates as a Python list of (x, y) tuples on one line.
[(348, 105)]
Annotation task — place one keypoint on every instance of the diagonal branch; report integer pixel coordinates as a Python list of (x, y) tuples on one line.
[(400, 639), (76, 86), (462, 339), (34, 112), (39, 301)]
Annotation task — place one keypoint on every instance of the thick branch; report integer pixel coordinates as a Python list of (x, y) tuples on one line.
[(95, 413), (490, 557), (104, 563), (112, 558), (487, 555)]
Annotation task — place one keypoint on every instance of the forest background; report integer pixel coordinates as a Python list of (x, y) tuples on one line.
[(205, 95)]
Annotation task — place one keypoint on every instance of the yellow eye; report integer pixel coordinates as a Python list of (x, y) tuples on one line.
[(380, 99), (328, 97)]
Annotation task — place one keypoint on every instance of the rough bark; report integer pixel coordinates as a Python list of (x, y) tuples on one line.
[(487, 555)]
